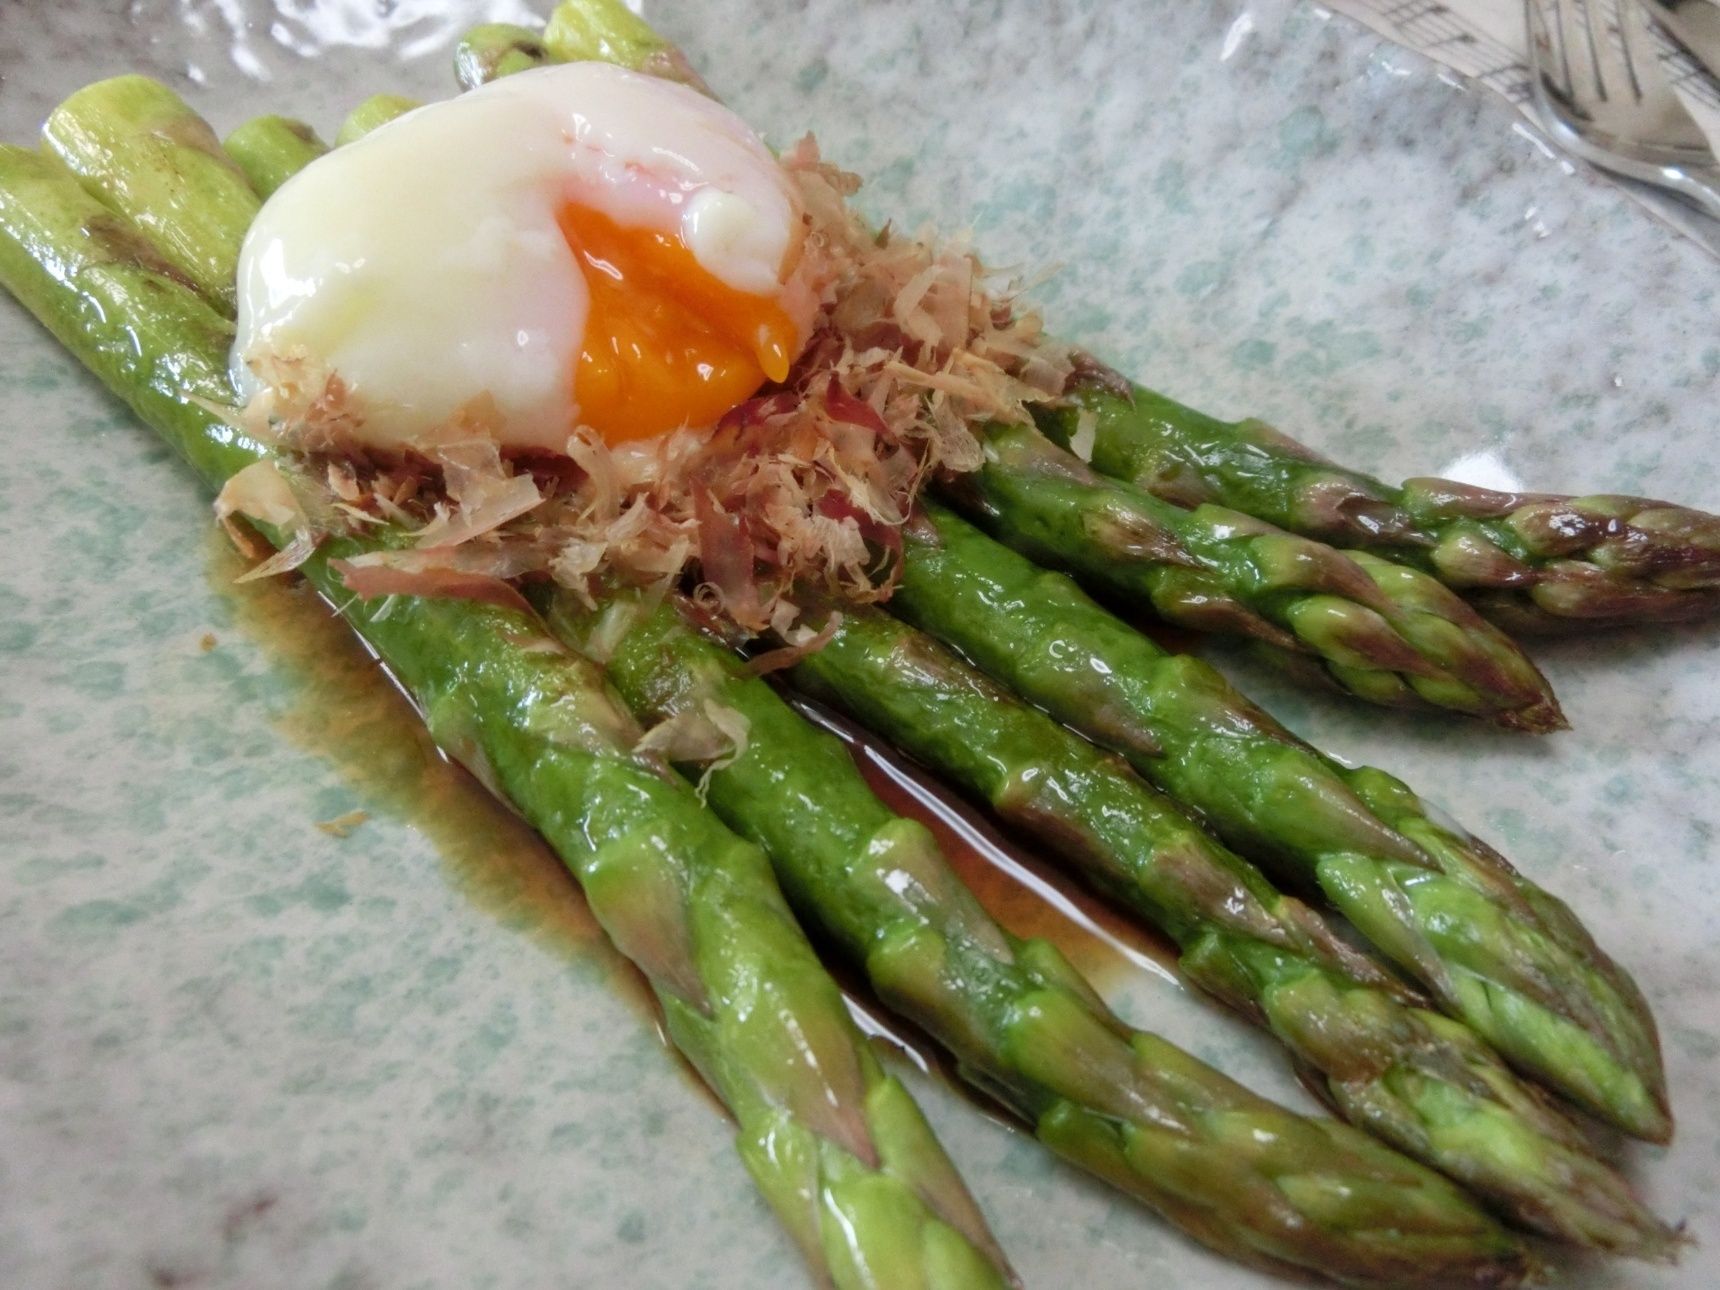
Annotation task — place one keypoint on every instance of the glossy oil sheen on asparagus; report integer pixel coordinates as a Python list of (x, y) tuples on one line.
[(1417, 1079), (1494, 949), (1230, 1168)]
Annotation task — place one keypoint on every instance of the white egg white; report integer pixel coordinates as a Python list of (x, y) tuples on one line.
[(424, 265)]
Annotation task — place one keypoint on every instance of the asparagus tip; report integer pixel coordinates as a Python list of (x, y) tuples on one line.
[(1544, 717)]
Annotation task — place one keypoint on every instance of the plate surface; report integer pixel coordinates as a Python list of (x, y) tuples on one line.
[(237, 1050)]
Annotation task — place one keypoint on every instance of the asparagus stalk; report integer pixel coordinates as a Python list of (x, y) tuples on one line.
[(272, 149), (1421, 1082), (1491, 947), (162, 168), (1232, 1169), (378, 109), (608, 31), (1380, 631), (1531, 561), (835, 1144), (497, 49)]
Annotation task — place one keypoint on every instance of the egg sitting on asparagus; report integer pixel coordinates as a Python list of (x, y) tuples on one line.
[(574, 246)]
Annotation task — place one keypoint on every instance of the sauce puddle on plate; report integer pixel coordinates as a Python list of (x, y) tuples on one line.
[(350, 713), (1017, 887)]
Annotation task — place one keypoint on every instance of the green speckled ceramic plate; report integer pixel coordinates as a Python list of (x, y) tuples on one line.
[(241, 1050)]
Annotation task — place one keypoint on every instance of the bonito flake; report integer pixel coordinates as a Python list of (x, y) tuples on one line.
[(801, 489)]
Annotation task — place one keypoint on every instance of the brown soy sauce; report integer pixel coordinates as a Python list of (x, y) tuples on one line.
[(350, 713), (1017, 886)]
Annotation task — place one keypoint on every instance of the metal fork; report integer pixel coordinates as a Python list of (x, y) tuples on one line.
[(1603, 94)]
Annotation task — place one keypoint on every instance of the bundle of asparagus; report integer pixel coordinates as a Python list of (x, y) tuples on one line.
[(134, 272), (835, 1143), (1228, 1167), (1382, 632), (1496, 951), (1368, 1045), (1200, 519), (1362, 833), (1533, 562)]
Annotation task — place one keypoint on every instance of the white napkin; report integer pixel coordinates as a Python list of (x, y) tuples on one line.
[(1487, 40)]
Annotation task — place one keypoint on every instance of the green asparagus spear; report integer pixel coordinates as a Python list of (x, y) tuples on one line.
[(271, 149), (160, 166), (1531, 561), (378, 109), (1236, 1171), (497, 49), (1421, 1082), (1383, 632), (1493, 948), (835, 1144), (608, 31)]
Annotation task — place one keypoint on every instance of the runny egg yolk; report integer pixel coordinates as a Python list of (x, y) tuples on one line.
[(666, 342)]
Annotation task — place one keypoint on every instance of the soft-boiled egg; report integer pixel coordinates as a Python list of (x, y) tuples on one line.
[(575, 245)]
